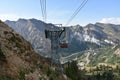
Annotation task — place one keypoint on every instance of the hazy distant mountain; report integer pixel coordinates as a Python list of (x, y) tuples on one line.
[(80, 38)]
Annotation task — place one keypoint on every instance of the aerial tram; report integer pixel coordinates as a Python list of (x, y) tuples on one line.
[(64, 41)]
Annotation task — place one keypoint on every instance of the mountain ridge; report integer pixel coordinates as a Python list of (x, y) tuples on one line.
[(100, 34)]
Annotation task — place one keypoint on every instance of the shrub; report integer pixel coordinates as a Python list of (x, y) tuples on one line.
[(2, 56)]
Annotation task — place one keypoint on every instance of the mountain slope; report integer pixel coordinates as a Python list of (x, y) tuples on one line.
[(18, 61), (108, 55), (33, 31)]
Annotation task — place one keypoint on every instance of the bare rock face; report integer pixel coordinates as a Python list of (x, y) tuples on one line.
[(117, 52)]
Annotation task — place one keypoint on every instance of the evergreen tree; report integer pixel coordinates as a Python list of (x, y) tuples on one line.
[(72, 71)]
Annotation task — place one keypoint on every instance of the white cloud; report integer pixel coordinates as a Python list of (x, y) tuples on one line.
[(111, 20), (4, 17), (14, 17)]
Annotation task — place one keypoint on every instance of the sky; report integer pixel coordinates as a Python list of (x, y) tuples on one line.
[(60, 11)]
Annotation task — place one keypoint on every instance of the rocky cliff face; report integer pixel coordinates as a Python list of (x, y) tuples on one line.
[(98, 33), (18, 61)]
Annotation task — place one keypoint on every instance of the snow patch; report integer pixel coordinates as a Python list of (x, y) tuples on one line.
[(90, 39), (107, 41)]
